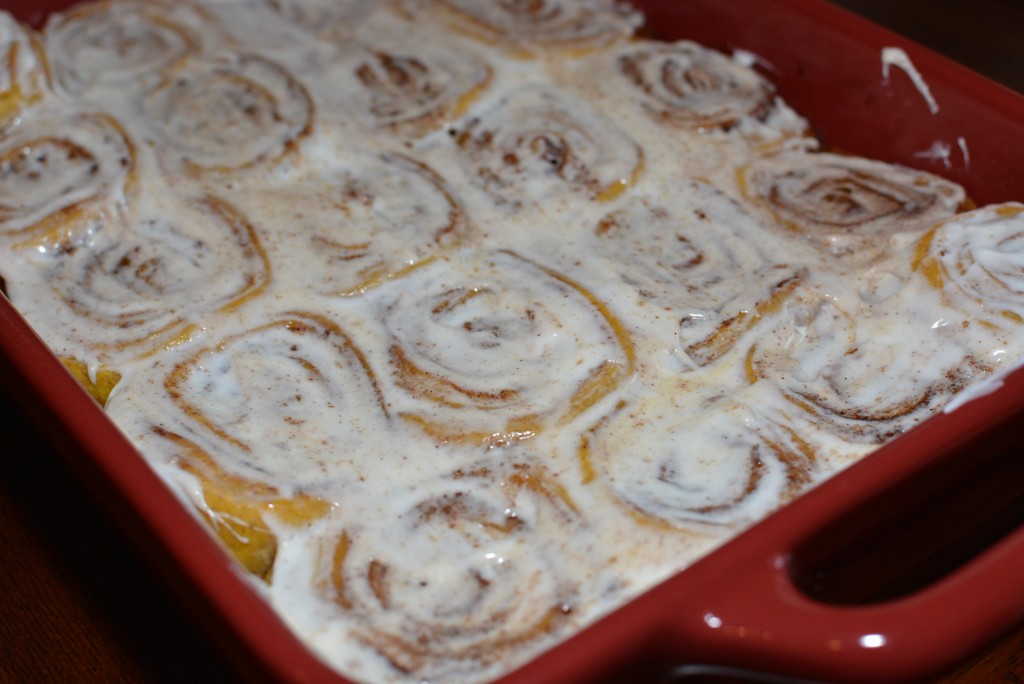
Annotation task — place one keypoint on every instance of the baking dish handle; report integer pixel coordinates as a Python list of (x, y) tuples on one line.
[(763, 622), (751, 611)]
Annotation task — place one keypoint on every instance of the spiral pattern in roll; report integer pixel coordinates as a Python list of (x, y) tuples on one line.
[(694, 464), (321, 17), (867, 390), (535, 143), (849, 207), (702, 272), (475, 581), (684, 84), (492, 348), (229, 112), (416, 91), (369, 218), (63, 175), (149, 285), (119, 42), (977, 260), (267, 380)]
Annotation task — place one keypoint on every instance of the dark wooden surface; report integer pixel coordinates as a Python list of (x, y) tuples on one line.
[(77, 604)]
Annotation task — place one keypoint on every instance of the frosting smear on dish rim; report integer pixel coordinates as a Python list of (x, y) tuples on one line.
[(461, 324)]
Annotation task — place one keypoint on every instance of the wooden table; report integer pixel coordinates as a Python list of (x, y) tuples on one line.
[(77, 605)]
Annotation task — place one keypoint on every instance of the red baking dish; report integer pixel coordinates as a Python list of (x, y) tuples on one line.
[(795, 596)]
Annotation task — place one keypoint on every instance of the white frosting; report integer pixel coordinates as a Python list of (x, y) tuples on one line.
[(897, 57), (462, 334)]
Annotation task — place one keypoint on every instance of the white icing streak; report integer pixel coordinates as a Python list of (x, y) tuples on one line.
[(897, 57)]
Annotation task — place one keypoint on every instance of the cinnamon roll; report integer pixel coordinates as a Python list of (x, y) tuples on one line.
[(848, 207), (687, 85), (229, 112), (976, 260), (696, 463), (63, 176), (367, 219), (23, 69), (698, 268), (259, 449), (268, 379), (534, 144), (415, 91), (528, 27), (148, 287), (865, 387), (452, 576), (493, 348), (119, 42)]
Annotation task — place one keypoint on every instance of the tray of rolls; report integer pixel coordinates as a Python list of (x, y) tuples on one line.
[(557, 341)]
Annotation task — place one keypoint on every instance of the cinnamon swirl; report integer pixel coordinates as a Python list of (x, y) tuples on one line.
[(493, 348), (685, 84), (150, 284), (535, 143), (848, 207), (368, 218), (462, 580), (229, 112), (415, 92), (734, 466), (977, 261), (119, 42), (862, 382), (64, 174), (701, 273)]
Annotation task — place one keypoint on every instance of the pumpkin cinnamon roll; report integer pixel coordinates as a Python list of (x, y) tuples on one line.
[(147, 287), (848, 207), (368, 218), (23, 68), (454, 575), (535, 26), (228, 113), (267, 379), (687, 85), (976, 260), (535, 144), (866, 389), (493, 348), (696, 462), (63, 176), (124, 43), (414, 91), (261, 447), (698, 269)]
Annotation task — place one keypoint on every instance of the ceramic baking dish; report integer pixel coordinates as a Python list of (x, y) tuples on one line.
[(795, 596)]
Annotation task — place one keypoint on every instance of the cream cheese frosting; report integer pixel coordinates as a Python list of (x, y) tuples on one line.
[(462, 324)]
